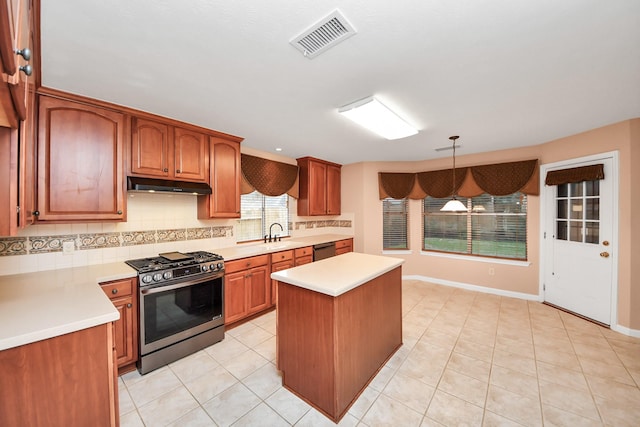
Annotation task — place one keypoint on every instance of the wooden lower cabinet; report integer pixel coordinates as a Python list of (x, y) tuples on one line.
[(280, 261), (247, 288), (304, 255), (124, 297), (344, 246), (67, 380)]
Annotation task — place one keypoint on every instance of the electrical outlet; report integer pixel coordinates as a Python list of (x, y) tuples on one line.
[(68, 247), (491, 271)]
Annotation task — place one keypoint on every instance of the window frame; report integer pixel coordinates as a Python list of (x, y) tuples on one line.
[(243, 234), (404, 212), (471, 220)]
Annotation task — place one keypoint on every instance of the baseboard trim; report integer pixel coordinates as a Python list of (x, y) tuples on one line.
[(626, 331), (477, 288)]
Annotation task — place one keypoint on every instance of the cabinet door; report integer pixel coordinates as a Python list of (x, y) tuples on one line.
[(235, 300), (150, 148), (307, 259), (79, 162), (279, 266), (225, 181), (15, 34), (124, 297), (317, 188), (8, 181), (126, 337), (191, 154), (333, 190), (259, 290), (28, 160)]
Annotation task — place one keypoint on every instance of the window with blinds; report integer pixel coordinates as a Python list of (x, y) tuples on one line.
[(395, 223), (494, 226), (258, 212)]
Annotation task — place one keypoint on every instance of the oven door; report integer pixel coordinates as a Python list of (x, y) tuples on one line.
[(177, 310)]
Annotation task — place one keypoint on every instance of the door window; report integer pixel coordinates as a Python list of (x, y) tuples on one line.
[(578, 212)]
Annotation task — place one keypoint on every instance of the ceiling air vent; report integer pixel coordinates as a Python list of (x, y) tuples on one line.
[(323, 35)]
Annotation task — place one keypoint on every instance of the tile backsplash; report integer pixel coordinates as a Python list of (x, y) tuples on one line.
[(156, 223)]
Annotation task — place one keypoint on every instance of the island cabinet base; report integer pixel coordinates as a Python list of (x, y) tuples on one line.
[(330, 348)]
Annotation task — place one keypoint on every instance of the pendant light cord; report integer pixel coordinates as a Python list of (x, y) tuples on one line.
[(453, 186)]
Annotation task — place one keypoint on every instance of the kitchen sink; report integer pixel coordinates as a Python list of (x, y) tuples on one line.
[(275, 245)]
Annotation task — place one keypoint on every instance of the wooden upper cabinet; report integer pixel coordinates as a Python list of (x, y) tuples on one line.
[(319, 187), (159, 150), (80, 162), (225, 176), (191, 155), (149, 148), (333, 190), (15, 34)]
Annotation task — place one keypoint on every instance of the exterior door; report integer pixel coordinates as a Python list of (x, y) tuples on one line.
[(579, 242)]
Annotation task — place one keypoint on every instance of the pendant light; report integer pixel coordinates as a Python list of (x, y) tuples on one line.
[(454, 205)]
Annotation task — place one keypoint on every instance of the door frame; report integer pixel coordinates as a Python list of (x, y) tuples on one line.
[(546, 204)]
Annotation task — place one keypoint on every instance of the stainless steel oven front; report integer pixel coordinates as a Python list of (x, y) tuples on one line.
[(179, 317)]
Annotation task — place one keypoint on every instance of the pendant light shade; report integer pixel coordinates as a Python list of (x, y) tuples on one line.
[(454, 205)]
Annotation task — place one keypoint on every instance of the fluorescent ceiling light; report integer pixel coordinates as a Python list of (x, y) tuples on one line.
[(373, 115)]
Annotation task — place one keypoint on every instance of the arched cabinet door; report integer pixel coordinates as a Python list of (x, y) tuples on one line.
[(80, 162)]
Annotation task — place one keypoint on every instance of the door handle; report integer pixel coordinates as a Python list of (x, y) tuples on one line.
[(604, 254)]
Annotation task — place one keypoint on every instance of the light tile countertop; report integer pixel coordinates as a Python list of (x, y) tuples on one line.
[(337, 275), (45, 304)]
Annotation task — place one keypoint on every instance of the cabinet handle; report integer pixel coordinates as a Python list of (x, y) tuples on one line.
[(165, 170), (178, 171), (114, 291), (25, 53), (27, 69), (36, 213), (119, 212), (129, 305)]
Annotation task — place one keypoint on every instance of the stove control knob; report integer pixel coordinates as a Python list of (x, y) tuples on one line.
[(167, 275), (204, 268), (147, 278), (157, 277), (220, 266)]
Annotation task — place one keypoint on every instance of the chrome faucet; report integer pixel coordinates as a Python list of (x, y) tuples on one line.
[(274, 237)]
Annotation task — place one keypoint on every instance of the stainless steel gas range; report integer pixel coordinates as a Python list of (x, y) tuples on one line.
[(181, 305)]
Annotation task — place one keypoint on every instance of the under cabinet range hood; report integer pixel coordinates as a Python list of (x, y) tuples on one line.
[(151, 185)]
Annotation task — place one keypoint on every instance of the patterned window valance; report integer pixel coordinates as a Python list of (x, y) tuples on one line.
[(269, 177), (579, 174), (498, 179)]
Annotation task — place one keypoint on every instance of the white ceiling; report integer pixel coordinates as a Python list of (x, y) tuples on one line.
[(499, 73)]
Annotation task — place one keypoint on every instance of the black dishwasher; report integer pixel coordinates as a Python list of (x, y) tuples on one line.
[(324, 250)]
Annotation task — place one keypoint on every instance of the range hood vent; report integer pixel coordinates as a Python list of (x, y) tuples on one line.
[(167, 186), (323, 35)]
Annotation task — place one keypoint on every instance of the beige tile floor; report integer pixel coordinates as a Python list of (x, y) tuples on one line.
[(468, 359)]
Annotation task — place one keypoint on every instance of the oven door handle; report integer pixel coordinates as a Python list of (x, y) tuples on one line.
[(161, 288)]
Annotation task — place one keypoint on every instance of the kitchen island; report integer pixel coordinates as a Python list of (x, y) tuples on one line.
[(338, 321)]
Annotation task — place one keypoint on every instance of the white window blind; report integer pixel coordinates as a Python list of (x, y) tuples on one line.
[(494, 226), (395, 223), (258, 212)]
